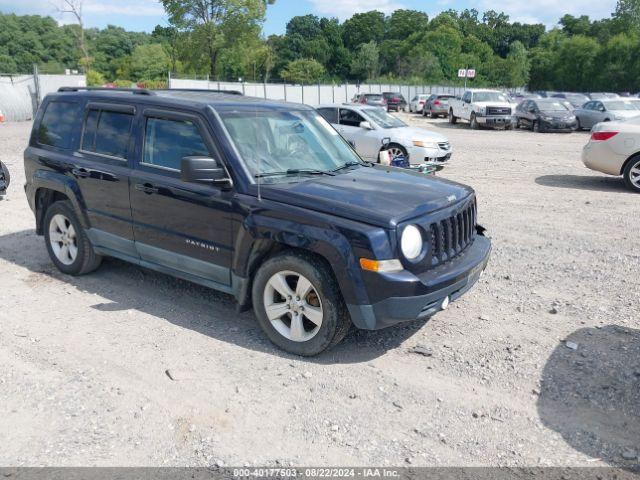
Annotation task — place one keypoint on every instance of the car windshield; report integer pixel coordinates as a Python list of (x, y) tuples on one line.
[(383, 119), (273, 142), (551, 106), (620, 105), (489, 97)]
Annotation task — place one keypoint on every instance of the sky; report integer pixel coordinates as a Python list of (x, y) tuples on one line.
[(144, 15)]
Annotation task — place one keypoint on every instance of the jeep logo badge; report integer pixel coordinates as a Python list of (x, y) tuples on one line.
[(451, 198)]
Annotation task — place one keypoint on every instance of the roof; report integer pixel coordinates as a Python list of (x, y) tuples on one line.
[(177, 97)]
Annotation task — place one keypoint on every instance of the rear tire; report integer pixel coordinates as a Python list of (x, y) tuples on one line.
[(631, 175), (287, 325), (67, 243)]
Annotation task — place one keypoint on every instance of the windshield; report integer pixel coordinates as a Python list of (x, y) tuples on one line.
[(551, 106), (383, 119), (489, 97), (275, 141), (619, 105)]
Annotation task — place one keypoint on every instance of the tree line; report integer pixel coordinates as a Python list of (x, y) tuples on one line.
[(223, 39)]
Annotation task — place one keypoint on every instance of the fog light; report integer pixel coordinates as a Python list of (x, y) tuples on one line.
[(445, 304)]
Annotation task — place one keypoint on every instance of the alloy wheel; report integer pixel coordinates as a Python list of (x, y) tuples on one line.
[(63, 239), (634, 175), (293, 306), (396, 152)]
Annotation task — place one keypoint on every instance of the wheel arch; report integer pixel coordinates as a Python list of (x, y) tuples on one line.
[(50, 187), (628, 161)]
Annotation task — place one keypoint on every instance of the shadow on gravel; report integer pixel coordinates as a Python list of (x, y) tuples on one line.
[(581, 182), (591, 395), (211, 313)]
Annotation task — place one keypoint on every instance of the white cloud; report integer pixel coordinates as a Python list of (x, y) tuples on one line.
[(129, 7), (343, 9), (548, 11)]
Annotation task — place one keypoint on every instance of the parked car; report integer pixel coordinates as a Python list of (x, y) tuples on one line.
[(395, 101), (482, 108), (518, 97), (2, 117), (603, 95), (614, 149), (437, 105), (576, 100), (367, 127), (261, 199), (5, 179), (597, 111), (373, 99), (545, 115), (416, 104), (633, 101)]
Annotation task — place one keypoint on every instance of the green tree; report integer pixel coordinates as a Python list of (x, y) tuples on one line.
[(628, 11), (150, 62), (518, 65), (216, 24), (402, 23), (366, 63), (303, 71), (363, 28)]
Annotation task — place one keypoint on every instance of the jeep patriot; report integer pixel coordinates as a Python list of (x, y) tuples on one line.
[(260, 199)]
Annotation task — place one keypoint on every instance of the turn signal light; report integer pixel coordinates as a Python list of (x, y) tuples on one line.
[(602, 136), (381, 266)]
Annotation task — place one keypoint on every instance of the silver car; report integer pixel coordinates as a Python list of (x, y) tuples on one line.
[(367, 127), (417, 103), (597, 111)]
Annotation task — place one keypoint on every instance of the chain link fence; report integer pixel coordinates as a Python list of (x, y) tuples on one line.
[(20, 95)]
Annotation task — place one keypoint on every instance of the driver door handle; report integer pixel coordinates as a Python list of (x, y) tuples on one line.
[(146, 188), (80, 172)]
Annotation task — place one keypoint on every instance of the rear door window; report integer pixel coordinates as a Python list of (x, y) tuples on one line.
[(107, 132), (329, 114), (167, 141), (58, 124)]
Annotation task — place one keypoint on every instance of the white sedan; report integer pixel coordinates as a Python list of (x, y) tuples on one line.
[(367, 128), (614, 149)]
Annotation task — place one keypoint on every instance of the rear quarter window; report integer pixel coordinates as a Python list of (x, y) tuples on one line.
[(107, 132), (57, 125)]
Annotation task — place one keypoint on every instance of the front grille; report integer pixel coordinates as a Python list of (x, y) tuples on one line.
[(498, 111), (444, 145), (452, 235)]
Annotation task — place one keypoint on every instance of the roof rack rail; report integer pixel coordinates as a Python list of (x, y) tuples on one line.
[(209, 90), (135, 91)]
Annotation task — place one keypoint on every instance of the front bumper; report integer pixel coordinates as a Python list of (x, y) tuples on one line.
[(559, 125), (420, 155), (448, 281), (496, 121)]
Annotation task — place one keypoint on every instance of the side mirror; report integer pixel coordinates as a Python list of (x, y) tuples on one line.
[(366, 125), (202, 170)]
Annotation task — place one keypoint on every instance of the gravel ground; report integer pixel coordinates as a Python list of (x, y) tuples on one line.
[(538, 365)]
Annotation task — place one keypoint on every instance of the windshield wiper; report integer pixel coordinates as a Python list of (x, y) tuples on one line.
[(352, 163), (294, 171)]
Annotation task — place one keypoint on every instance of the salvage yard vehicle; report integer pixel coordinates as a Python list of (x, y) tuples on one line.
[(5, 179), (367, 127), (416, 105), (597, 111), (489, 108), (437, 105), (614, 149), (261, 199), (395, 101), (372, 99), (545, 115)]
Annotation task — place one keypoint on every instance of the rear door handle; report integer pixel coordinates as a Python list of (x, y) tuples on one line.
[(80, 172), (146, 188)]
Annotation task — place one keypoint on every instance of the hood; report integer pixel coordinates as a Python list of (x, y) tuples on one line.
[(494, 104), (626, 113), (410, 133), (381, 196)]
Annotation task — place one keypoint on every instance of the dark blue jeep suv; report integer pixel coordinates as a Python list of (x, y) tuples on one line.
[(260, 199)]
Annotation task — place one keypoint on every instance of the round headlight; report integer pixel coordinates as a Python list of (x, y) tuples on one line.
[(411, 242)]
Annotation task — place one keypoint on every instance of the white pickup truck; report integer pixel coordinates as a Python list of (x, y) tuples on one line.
[(489, 108)]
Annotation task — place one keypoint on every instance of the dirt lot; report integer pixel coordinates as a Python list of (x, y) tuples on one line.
[(83, 360)]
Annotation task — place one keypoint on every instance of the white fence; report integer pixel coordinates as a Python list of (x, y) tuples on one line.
[(311, 94), (20, 95)]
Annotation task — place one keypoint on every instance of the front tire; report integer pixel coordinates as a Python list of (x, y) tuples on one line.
[(631, 175), (452, 118), (67, 243), (298, 304), (473, 122)]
